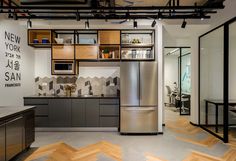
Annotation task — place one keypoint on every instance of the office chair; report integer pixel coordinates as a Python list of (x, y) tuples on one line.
[(169, 94)]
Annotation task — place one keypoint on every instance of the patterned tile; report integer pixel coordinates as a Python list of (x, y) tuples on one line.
[(106, 86)]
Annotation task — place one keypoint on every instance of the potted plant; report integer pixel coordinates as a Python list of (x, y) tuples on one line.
[(106, 53)]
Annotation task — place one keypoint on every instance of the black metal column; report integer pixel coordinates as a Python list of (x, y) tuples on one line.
[(226, 82)]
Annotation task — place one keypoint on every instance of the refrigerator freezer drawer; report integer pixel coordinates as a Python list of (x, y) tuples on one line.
[(138, 120)]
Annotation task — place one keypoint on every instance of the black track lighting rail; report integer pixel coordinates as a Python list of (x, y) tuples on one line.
[(114, 17), (113, 8)]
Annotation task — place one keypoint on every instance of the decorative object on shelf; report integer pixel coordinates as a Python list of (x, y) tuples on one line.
[(35, 41), (45, 40), (68, 41), (135, 41), (105, 53), (59, 40), (70, 89)]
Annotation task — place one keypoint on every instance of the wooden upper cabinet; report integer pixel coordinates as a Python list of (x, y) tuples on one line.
[(109, 37), (63, 52), (86, 52)]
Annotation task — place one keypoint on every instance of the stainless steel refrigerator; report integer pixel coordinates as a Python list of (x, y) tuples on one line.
[(138, 89)]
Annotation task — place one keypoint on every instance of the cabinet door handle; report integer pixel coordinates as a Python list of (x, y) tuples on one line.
[(18, 118)]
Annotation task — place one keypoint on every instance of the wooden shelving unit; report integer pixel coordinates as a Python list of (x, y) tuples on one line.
[(88, 45)]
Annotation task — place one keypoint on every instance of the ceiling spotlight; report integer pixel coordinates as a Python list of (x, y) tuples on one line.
[(184, 24), (154, 23), (135, 24), (159, 16), (127, 15), (29, 24), (15, 17), (87, 24), (202, 15), (77, 16)]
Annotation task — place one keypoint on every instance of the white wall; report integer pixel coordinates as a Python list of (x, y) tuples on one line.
[(14, 95)]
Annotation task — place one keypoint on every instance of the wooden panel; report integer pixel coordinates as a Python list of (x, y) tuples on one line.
[(86, 52), (109, 37), (63, 52)]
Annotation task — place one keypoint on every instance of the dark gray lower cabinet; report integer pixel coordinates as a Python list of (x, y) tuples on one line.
[(109, 121), (81, 112), (92, 113), (60, 112), (41, 111), (14, 137), (29, 128), (2, 141), (78, 107)]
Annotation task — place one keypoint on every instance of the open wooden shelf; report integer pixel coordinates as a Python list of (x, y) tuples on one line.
[(39, 34), (111, 48)]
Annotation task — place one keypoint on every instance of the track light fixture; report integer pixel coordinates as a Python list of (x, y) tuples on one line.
[(154, 23), (15, 17), (87, 24), (184, 24), (135, 24), (159, 16), (77, 16), (127, 16), (29, 24)]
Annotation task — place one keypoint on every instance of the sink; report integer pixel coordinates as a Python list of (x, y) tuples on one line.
[(87, 95)]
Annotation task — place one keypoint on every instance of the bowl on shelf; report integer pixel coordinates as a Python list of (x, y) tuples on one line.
[(45, 40), (59, 40), (35, 41)]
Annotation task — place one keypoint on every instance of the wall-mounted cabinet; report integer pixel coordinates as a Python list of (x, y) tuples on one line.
[(63, 52), (137, 45), (86, 52), (39, 38), (109, 37), (95, 45)]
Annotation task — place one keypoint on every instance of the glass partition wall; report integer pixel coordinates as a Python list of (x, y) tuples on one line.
[(217, 80), (178, 79)]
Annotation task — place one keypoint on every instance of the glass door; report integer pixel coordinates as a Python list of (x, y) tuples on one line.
[(178, 79)]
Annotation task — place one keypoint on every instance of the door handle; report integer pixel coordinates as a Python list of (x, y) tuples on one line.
[(18, 118)]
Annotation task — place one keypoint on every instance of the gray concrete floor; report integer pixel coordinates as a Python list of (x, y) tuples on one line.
[(165, 146)]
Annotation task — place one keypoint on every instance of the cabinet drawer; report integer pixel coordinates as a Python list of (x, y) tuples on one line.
[(86, 52), (35, 101), (109, 101), (109, 121), (109, 37), (63, 52), (41, 122), (41, 110), (109, 110)]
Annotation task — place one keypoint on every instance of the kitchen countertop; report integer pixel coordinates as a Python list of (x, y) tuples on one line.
[(9, 111), (73, 97)]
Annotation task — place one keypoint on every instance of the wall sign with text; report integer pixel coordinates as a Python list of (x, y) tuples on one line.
[(13, 60)]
